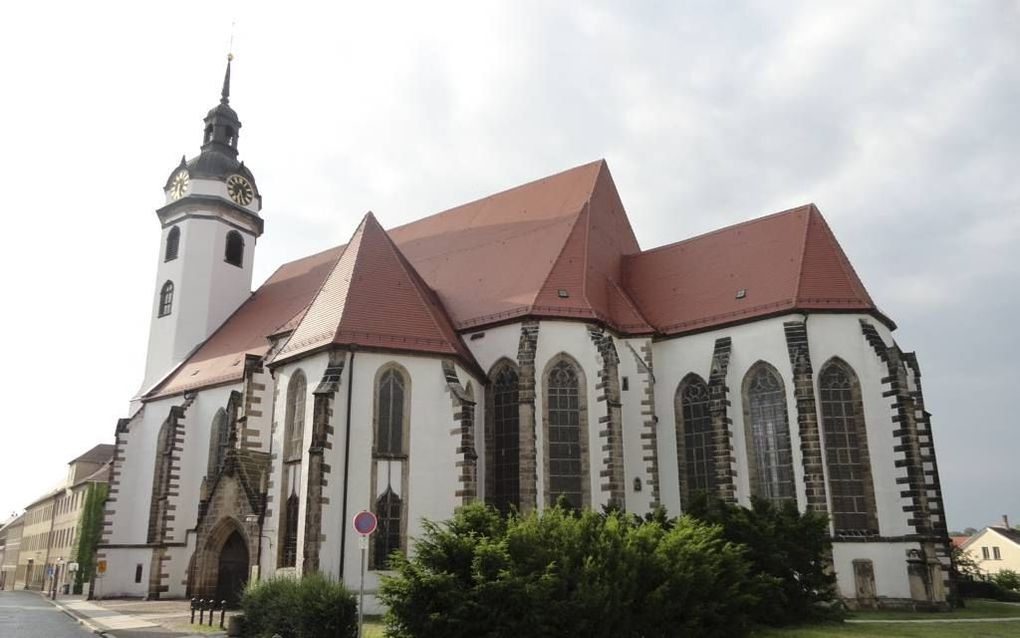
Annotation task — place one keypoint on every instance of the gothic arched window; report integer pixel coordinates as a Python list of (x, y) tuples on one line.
[(694, 438), (233, 253), (503, 444), (166, 299), (293, 448), (219, 437), (294, 417), (767, 428), (846, 451), (388, 509), (173, 243), (565, 434), (390, 413)]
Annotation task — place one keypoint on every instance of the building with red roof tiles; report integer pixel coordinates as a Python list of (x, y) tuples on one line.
[(515, 350)]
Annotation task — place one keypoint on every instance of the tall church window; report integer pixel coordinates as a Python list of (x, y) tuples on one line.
[(294, 418), (234, 250), (846, 451), (293, 448), (389, 433), (166, 299), (173, 243), (767, 428), (219, 436), (503, 438), (694, 437), (565, 434), (388, 509)]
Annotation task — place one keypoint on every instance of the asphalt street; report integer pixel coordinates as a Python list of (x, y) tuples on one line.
[(25, 614)]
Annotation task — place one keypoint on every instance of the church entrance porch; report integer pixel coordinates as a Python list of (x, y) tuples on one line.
[(221, 564)]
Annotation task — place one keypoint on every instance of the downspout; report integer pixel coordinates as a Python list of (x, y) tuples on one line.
[(347, 463)]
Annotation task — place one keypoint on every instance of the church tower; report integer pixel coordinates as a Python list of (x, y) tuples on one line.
[(210, 224)]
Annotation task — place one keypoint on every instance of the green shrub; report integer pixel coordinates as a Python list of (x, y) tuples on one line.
[(1007, 579), (789, 554), (563, 573), (312, 607)]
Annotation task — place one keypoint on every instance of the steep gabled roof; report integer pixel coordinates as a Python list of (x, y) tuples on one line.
[(373, 298), (781, 262), (552, 247)]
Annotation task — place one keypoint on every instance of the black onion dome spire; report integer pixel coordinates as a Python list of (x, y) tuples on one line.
[(218, 159)]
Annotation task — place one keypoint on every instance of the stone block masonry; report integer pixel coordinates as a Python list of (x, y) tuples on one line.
[(807, 415), (718, 408), (526, 392), (612, 475)]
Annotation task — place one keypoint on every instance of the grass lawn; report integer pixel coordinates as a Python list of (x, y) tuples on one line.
[(934, 629), (974, 609)]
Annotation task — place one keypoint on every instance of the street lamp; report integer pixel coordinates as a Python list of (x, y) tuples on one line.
[(56, 578)]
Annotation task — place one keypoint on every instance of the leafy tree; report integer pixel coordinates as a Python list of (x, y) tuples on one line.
[(964, 564), (1007, 579), (90, 529)]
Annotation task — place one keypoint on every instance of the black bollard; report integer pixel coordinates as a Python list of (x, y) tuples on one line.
[(212, 608), (201, 611), (193, 600), (223, 612)]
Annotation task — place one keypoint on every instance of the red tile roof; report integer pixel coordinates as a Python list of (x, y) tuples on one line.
[(374, 298), (561, 246), (278, 302), (782, 262)]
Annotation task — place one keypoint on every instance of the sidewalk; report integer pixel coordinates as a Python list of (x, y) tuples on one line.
[(132, 617)]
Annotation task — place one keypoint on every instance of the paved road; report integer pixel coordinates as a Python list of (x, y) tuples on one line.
[(25, 614)]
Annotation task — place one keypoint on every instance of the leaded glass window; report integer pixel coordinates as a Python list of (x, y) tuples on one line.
[(505, 458), (695, 437), (288, 548), (387, 535), (846, 451), (166, 299), (294, 420), (389, 436), (219, 437), (564, 432), (768, 441)]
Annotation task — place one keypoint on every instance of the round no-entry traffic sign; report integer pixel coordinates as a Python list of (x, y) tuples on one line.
[(365, 522)]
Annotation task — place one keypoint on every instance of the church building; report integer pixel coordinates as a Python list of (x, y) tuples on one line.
[(514, 350)]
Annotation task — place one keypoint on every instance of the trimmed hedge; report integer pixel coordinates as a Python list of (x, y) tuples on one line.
[(312, 607)]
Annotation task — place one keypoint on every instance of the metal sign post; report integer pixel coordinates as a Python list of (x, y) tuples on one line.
[(364, 524)]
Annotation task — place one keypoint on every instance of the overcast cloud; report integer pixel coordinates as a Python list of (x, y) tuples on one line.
[(899, 119)]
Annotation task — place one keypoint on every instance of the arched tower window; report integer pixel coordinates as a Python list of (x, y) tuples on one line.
[(219, 439), (502, 433), (846, 451), (294, 418), (388, 509), (566, 442), (694, 438), (173, 243), (234, 250), (390, 414), (166, 299), (767, 429), (293, 448)]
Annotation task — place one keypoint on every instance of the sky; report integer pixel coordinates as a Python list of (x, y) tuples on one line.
[(898, 119)]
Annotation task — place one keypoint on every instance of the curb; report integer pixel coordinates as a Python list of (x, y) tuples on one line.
[(82, 620)]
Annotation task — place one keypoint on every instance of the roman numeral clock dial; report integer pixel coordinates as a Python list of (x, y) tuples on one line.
[(240, 190)]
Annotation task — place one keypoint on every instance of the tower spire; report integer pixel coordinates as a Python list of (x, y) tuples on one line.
[(225, 93)]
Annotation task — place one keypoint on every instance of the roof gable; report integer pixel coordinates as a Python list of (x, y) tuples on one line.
[(785, 261), (374, 298)]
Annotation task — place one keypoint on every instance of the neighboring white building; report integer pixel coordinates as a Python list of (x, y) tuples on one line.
[(513, 350), (995, 548)]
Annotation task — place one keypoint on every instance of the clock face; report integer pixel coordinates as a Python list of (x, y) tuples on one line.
[(240, 190), (179, 185)]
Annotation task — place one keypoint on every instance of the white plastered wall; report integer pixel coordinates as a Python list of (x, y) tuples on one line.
[(888, 560)]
